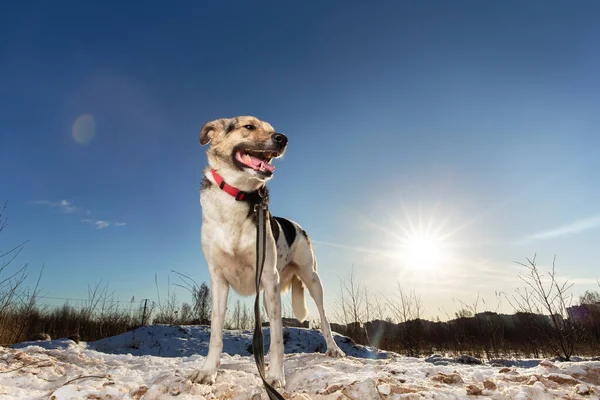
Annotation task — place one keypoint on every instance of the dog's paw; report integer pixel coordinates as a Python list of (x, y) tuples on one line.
[(335, 352), (203, 376), (278, 382)]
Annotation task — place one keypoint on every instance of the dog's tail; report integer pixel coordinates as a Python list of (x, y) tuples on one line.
[(298, 300)]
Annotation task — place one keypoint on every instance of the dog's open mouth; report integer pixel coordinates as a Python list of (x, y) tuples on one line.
[(258, 160)]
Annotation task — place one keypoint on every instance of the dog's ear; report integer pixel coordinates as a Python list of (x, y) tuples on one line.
[(208, 130)]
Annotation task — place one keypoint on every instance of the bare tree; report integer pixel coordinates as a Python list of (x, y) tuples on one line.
[(469, 310), (186, 314), (200, 298), (378, 311), (407, 309), (351, 306), (236, 315), (247, 318), (10, 281), (169, 310), (17, 301), (405, 306), (548, 299), (591, 297)]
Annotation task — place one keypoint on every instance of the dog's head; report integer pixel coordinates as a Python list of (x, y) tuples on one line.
[(244, 144)]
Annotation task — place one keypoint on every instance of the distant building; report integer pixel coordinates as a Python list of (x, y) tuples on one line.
[(583, 312)]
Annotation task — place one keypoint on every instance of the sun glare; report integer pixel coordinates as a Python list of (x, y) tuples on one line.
[(422, 252)]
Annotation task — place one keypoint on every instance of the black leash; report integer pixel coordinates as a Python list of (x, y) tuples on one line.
[(257, 340)]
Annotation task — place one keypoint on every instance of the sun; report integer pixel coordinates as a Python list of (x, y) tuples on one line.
[(422, 251), (420, 244)]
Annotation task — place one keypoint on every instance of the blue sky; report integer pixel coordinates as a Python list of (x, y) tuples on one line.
[(479, 119)]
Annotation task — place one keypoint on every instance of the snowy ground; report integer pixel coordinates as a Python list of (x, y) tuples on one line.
[(152, 363)]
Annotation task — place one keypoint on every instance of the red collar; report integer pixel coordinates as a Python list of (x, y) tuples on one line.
[(234, 192)]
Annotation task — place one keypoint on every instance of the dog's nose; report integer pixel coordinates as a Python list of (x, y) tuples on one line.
[(279, 139)]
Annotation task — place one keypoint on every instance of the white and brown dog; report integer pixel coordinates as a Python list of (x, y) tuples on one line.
[(239, 158)]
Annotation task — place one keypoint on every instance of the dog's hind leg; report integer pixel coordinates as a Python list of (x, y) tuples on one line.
[(298, 299), (219, 292), (305, 260), (307, 271), (315, 288)]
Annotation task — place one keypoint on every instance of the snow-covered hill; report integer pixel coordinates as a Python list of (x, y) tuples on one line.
[(178, 341), (153, 361)]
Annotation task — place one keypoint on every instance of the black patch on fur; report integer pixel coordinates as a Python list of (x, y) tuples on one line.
[(274, 227), (289, 230)]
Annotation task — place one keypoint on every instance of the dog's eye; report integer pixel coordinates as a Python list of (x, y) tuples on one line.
[(249, 127)]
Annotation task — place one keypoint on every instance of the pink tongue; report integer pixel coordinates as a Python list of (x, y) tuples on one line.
[(260, 165)]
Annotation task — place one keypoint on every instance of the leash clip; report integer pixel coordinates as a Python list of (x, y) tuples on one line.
[(263, 201)]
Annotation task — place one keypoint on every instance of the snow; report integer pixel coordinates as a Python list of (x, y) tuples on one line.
[(153, 362)]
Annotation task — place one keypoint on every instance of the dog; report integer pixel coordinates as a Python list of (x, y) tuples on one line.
[(240, 158)]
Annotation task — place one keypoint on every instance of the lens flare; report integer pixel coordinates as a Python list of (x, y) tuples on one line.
[(84, 129)]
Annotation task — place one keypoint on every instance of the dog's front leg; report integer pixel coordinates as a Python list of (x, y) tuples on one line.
[(271, 284), (219, 293)]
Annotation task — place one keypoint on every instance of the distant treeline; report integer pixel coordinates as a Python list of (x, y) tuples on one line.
[(485, 335)]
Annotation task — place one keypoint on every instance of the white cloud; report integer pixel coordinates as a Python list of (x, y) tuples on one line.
[(576, 226), (67, 207), (64, 206), (101, 224)]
